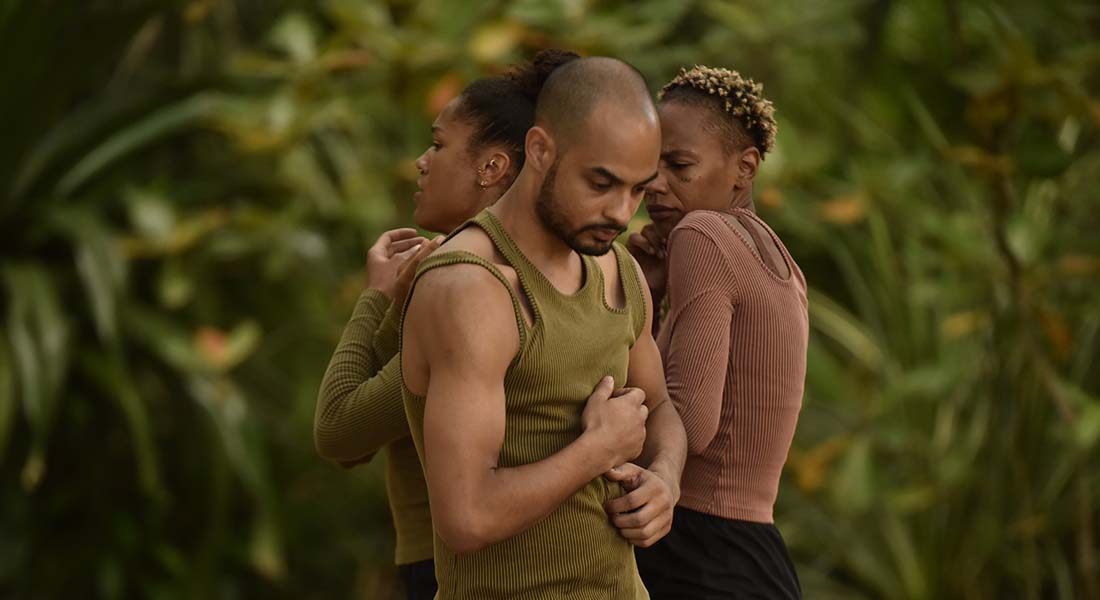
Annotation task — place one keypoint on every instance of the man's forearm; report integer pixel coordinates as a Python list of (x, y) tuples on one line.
[(666, 445), (507, 501)]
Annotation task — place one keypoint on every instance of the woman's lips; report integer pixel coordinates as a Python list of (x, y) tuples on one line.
[(660, 212)]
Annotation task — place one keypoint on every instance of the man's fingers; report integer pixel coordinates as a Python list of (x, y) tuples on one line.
[(603, 388), (631, 393), (645, 514), (644, 537), (636, 519), (649, 531), (624, 472), (632, 501)]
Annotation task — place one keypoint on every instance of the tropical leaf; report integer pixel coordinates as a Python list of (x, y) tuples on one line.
[(157, 125), (39, 336)]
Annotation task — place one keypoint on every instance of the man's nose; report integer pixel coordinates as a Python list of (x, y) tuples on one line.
[(621, 212)]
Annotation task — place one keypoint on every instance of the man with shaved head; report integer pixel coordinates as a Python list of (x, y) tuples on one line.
[(531, 380)]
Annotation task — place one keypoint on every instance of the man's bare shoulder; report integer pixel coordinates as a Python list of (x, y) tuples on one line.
[(475, 241), (459, 315), (452, 287)]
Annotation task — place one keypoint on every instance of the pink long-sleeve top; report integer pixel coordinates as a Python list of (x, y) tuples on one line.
[(734, 347)]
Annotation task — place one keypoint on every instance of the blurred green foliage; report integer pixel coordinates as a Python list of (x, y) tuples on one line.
[(187, 190)]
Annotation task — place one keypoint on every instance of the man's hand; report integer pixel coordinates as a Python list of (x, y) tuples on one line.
[(615, 420), (644, 514), (650, 249), (386, 257)]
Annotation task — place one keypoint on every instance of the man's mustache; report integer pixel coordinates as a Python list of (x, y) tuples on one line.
[(617, 228)]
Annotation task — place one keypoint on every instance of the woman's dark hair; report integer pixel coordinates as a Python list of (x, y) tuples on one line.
[(502, 108)]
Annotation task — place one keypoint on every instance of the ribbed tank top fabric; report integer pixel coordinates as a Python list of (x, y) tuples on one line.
[(734, 345), (574, 341)]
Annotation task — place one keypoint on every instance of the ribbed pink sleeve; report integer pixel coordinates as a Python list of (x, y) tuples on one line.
[(702, 298)]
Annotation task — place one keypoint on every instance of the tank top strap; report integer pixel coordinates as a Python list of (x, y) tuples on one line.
[(632, 288), (531, 281), (456, 257), (492, 226)]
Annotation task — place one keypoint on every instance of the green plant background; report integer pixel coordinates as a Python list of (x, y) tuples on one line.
[(188, 188)]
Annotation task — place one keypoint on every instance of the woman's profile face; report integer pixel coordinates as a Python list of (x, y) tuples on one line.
[(695, 171), (448, 191)]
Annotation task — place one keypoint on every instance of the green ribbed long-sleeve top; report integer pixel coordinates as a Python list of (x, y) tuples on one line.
[(575, 340), (360, 411)]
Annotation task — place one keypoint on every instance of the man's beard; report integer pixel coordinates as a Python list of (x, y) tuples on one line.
[(546, 207)]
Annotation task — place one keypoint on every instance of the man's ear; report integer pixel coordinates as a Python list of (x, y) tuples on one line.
[(541, 149)]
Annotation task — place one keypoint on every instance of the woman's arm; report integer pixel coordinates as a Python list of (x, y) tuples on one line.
[(359, 408), (702, 301)]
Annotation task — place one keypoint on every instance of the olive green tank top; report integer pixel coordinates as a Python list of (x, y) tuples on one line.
[(575, 340)]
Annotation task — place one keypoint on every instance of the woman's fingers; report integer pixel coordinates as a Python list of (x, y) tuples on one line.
[(399, 246), (640, 242), (398, 234), (658, 243)]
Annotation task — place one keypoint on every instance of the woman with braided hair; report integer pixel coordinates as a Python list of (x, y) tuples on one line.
[(733, 341), (477, 150)]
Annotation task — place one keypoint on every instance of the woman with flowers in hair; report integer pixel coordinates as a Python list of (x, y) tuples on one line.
[(733, 341)]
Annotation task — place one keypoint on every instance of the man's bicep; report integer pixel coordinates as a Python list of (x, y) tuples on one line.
[(467, 362), (646, 371), (471, 341), (463, 427)]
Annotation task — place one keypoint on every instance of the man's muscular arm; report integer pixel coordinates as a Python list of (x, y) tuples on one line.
[(644, 515), (460, 330)]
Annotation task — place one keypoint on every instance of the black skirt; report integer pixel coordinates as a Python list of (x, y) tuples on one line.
[(706, 558), (419, 579)]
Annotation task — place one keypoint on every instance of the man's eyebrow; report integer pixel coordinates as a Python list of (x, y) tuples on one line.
[(603, 172), (616, 180), (649, 179)]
